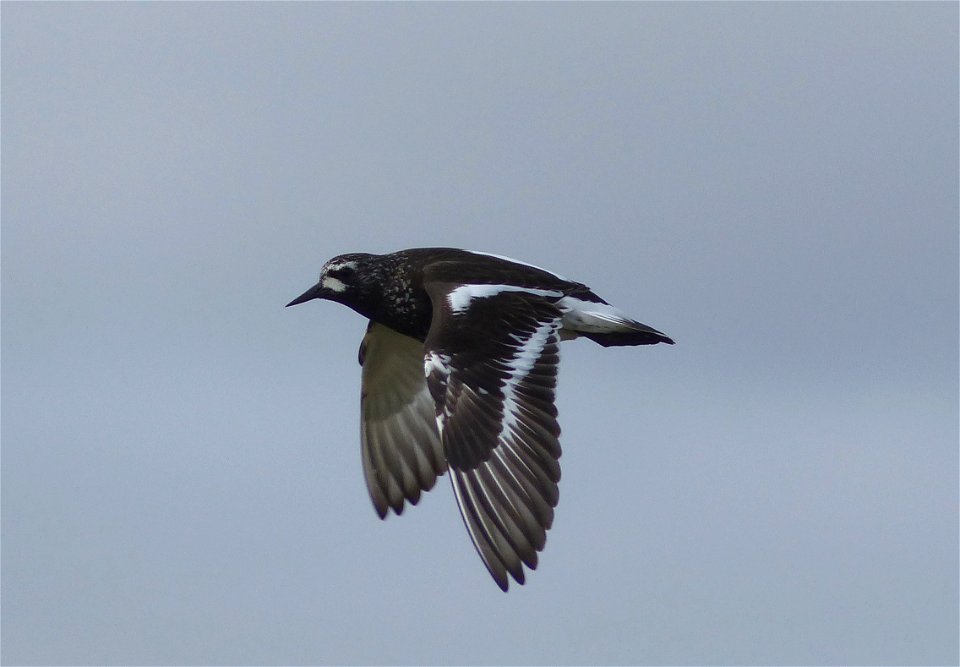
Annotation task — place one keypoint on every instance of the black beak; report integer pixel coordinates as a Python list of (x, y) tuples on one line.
[(315, 292)]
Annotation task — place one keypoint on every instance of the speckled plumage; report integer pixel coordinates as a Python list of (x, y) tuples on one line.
[(459, 371)]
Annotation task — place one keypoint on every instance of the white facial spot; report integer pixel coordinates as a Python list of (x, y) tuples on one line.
[(333, 284)]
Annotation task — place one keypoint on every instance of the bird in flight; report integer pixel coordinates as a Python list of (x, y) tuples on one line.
[(459, 372)]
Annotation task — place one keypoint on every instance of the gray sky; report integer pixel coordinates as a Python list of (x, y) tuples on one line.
[(775, 186)]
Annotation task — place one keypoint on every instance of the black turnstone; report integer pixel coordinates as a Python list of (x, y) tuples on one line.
[(460, 370)]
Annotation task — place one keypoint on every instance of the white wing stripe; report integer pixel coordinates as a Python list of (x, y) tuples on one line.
[(461, 297), (521, 365)]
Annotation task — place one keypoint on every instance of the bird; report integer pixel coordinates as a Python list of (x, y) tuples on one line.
[(459, 373)]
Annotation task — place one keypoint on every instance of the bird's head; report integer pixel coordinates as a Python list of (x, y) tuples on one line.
[(343, 279)]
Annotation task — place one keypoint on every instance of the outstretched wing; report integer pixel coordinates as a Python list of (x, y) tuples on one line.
[(491, 366), (400, 444)]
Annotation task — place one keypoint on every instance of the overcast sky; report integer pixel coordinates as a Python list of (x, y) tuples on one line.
[(774, 186)]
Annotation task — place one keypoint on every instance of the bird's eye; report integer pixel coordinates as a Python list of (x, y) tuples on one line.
[(341, 272)]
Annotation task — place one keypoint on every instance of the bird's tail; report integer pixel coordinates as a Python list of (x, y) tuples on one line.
[(647, 336), (606, 325)]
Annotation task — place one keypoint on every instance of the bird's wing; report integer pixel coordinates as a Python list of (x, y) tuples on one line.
[(401, 448), (491, 365)]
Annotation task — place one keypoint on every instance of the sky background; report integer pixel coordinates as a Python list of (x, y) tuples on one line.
[(774, 186)]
